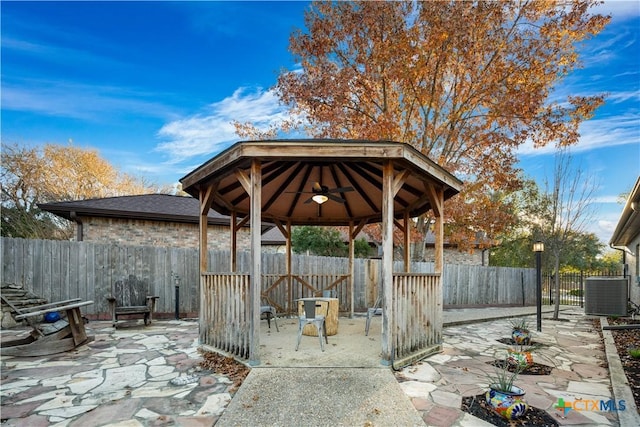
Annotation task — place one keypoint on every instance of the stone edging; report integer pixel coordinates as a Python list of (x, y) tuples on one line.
[(619, 382)]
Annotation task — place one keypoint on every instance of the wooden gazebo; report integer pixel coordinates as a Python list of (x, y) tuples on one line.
[(356, 183)]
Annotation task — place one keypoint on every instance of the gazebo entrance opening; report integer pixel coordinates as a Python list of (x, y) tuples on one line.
[(387, 182)]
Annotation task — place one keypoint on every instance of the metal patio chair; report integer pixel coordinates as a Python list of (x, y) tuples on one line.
[(311, 317), (376, 310), (270, 312)]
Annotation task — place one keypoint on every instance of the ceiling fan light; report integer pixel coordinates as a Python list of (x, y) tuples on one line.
[(319, 198)]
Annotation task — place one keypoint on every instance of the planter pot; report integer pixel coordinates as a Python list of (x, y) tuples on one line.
[(521, 336), (523, 359), (510, 405)]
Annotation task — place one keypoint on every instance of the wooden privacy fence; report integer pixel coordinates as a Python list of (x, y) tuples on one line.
[(59, 270)]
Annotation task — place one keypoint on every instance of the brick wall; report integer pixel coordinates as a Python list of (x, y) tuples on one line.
[(454, 256), (158, 233)]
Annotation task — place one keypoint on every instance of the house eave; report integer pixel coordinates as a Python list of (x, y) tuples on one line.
[(628, 227)]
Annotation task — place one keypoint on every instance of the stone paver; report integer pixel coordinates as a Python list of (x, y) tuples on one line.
[(150, 376), (121, 379), (570, 346)]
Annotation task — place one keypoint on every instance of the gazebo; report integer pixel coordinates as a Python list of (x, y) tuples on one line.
[(321, 182)]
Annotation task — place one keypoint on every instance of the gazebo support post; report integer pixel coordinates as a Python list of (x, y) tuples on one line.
[(256, 262), (387, 263), (206, 198), (234, 242), (436, 197), (352, 251), (289, 248), (407, 243)]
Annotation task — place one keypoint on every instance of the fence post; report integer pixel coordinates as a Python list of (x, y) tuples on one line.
[(581, 289)]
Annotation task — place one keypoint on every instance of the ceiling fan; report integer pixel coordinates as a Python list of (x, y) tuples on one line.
[(322, 193)]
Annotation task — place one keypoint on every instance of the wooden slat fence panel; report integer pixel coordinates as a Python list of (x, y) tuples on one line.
[(417, 312), (225, 315)]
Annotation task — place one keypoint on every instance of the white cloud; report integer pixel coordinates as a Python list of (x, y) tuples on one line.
[(619, 9), (77, 100), (617, 97), (210, 132), (607, 199), (64, 55), (596, 133)]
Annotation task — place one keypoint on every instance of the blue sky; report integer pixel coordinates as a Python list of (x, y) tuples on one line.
[(154, 85)]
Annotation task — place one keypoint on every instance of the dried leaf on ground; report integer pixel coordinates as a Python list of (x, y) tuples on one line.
[(226, 366)]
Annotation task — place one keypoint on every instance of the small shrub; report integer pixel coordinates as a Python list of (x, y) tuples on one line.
[(576, 292), (635, 353), (520, 324), (503, 378)]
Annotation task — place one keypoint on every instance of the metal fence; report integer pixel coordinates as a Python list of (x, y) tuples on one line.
[(571, 286)]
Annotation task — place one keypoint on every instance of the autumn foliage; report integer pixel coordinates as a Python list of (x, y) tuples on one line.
[(54, 173), (466, 83)]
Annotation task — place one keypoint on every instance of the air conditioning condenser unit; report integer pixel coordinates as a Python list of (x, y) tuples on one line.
[(606, 296)]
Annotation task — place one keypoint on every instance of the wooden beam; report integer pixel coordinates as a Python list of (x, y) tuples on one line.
[(255, 282), (281, 227), (338, 184), (358, 228), (399, 225), (399, 180), (205, 203), (206, 199), (436, 198), (438, 231), (354, 183), (242, 223), (244, 180)]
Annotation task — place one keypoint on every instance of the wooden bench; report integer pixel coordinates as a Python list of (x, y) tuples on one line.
[(68, 336), (130, 297)]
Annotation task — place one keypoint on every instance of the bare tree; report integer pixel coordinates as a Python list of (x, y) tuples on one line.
[(565, 209)]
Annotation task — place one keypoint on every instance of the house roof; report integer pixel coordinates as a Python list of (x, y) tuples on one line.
[(348, 172), (628, 227), (275, 237), (153, 207)]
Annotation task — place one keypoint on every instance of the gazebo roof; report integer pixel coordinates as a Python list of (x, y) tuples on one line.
[(347, 170)]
